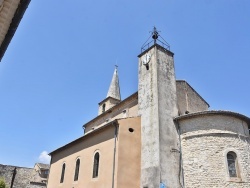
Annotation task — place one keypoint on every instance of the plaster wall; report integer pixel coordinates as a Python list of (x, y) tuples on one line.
[(103, 142), (206, 140), (128, 109), (127, 161), (129, 153), (109, 103), (157, 107)]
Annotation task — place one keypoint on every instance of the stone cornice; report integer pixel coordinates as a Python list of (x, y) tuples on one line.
[(214, 112)]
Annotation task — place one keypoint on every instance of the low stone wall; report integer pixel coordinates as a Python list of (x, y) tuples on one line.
[(23, 177)]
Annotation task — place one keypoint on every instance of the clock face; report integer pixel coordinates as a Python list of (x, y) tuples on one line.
[(146, 59)]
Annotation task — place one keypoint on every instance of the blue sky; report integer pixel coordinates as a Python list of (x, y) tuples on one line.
[(59, 64)]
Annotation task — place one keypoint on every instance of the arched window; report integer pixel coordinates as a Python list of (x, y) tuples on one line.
[(232, 164), (96, 165), (63, 172), (103, 107), (77, 169)]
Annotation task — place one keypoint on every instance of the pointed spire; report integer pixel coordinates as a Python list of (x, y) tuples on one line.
[(114, 88)]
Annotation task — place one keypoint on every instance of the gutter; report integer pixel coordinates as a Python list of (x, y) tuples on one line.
[(115, 138), (181, 160)]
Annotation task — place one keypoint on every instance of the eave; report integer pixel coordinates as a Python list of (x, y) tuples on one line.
[(23, 5)]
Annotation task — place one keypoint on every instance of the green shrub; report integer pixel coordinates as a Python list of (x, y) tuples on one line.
[(2, 183)]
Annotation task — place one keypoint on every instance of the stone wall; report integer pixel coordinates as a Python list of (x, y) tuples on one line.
[(205, 163), (23, 176), (188, 99), (206, 140)]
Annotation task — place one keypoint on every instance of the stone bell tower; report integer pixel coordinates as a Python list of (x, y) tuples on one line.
[(160, 157)]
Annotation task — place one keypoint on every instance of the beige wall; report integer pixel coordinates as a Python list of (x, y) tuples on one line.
[(109, 103), (129, 153), (127, 163), (206, 140), (103, 142), (128, 109)]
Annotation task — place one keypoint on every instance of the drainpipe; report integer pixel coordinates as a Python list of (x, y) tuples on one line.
[(115, 137), (181, 160)]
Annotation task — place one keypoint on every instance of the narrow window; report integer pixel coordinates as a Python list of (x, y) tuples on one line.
[(103, 107), (77, 169), (96, 165), (62, 174), (231, 162)]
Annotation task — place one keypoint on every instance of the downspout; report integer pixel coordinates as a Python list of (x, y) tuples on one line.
[(186, 97), (115, 137), (181, 160)]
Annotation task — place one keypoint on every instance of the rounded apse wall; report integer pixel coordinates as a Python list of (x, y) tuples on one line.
[(215, 150)]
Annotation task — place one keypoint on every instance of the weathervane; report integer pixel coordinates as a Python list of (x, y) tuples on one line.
[(155, 36)]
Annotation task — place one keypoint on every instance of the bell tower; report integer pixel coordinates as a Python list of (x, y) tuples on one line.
[(160, 157)]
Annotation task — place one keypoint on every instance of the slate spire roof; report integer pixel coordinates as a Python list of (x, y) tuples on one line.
[(114, 88)]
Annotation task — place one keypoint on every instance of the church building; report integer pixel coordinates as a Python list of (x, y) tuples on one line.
[(163, 136)]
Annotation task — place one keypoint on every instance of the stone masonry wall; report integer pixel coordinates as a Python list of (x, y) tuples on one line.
[(205, 152), (23, 176), (205, 162)]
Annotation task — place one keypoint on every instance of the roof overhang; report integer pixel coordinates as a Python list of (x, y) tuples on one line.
[(23, 5), (131, 97), (114, 122), (108, 99), (159, 47)]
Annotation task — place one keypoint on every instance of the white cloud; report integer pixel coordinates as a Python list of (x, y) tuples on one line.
[(44, 157)]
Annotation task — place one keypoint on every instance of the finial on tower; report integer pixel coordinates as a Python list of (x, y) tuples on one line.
[(155, 36)]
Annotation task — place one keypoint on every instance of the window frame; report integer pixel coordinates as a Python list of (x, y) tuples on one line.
[(63, 173), (232, 161), (77, 169), (237, 166), (96, 170)]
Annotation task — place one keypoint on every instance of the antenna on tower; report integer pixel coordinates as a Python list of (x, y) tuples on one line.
[(155, 36)]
